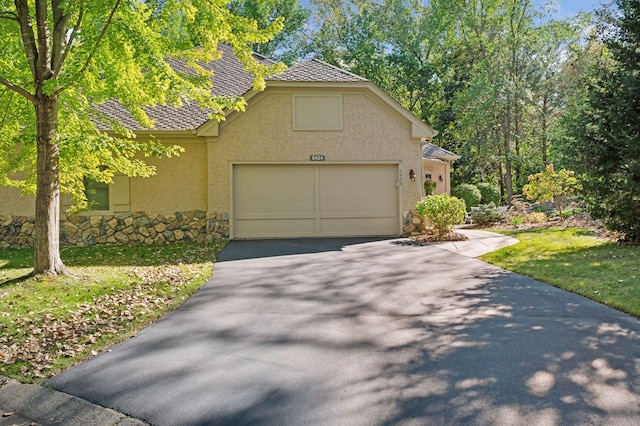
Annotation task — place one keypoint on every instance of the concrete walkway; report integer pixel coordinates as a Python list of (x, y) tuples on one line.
[(479, 243)]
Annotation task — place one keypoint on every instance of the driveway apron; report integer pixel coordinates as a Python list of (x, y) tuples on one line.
[(370, 332)]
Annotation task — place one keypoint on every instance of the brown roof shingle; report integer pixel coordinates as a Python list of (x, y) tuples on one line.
[(229, 79), (316, 70)]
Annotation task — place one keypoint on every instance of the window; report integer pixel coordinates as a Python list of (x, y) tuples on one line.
[(97, 194), (317, 112)]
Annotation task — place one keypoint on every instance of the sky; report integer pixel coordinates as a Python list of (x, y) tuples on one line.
[(568, 8)]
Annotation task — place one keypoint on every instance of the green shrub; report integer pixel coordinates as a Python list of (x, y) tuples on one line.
[(489, 193), (443, 211), (486, 214), (470, 194)]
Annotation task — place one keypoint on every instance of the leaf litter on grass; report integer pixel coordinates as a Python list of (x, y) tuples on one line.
[(47, 337)]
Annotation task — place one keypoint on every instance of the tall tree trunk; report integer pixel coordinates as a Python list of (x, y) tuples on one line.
[(545, 110), (508, 174), (47, 226)]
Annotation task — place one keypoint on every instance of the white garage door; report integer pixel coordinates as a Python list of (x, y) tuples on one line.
[(276, 201)]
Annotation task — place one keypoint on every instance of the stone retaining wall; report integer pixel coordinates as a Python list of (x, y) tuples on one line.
[(413, 224), (124, 228), (139, 227)]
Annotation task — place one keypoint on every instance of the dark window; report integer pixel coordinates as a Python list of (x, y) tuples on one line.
[(97, 194)]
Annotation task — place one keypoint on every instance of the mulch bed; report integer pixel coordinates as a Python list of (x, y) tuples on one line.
[(430, 238)]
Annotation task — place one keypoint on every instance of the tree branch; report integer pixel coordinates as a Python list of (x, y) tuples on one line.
[(42, 22), (26, 31), (74, 32), (100, 37), (19, 90), (60, 22), (12, 16)]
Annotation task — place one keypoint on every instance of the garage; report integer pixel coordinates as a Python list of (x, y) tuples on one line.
[(308, 200)]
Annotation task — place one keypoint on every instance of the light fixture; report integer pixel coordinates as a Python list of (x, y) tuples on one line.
[(412, 175)]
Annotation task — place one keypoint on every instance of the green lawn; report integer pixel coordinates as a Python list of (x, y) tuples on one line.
[(575, 260), (50, 323)]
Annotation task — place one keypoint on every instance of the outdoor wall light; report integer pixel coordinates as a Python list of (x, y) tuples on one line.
[(412, 175), (440, 178)]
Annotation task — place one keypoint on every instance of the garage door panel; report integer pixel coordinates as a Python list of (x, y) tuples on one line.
[(273, 201), (268, 228), (356, 226), (255, 195), (359, 190)]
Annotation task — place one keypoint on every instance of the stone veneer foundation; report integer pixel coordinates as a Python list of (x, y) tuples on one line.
[(122, 228), (139, 227)]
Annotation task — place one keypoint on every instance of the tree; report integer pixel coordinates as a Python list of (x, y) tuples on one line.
[(602, 140), (284, 45), (550, 185), (60, 58)]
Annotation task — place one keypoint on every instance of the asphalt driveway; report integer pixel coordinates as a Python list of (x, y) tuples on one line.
[(351, 332)]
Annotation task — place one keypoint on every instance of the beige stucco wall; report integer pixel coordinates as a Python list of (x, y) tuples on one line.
[(11, 202), (372, 132), (180, 183), (440, 173)]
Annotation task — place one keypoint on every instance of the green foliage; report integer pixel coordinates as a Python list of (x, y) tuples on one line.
[(602, 142), (486, 214), (516, 220), (469, 193), (490, 193), (443, 211), (284, 45), (108, 54), (429, 186), (551, 186)]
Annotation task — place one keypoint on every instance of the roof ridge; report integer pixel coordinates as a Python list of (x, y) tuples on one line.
[(342, 70)]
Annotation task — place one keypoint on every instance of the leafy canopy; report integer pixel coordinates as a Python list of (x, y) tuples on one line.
[(105, 50)]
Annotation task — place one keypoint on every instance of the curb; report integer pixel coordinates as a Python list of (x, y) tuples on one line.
[(35, 405)]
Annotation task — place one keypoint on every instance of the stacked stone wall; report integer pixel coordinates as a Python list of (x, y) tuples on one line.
[(124, 228), (413, 224)]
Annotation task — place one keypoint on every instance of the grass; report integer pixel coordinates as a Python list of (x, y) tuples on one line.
[(574, 259), (48, 324)]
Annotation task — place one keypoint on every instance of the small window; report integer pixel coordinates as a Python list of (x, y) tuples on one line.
[(97, 194), (427, 176)]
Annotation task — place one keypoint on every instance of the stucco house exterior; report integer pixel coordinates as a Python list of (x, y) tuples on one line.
[(436, 164), (320, 152)]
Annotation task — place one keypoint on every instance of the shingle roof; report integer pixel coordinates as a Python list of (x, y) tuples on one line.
[(435, 152), (229, 79), (316, 70)]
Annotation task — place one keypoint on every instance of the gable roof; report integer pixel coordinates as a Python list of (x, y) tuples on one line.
[(316, 70), (434, 152), (230, 79)]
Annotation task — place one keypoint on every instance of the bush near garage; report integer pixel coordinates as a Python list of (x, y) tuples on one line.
[(443, 211)]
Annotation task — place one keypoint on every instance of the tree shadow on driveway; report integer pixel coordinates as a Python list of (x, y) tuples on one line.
[(372, 333)]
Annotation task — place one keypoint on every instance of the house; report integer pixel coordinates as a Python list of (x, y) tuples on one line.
[(320, 152), (436, 164)]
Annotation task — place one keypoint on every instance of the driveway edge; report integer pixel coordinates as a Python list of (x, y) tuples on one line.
[(22, 403)]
